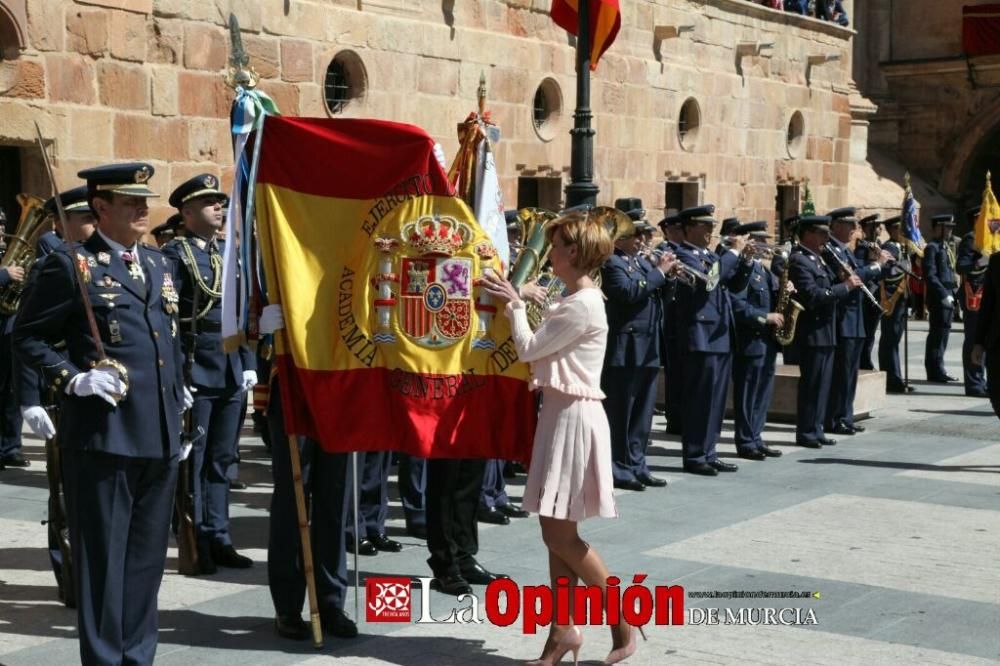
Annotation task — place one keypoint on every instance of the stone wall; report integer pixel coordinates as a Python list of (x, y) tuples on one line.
[(146, 83)]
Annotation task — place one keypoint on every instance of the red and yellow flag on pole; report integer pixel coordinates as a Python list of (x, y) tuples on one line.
[(389, 344), (605, 21), (987, 227)]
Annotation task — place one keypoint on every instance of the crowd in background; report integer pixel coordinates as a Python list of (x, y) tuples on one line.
[(828, 10)]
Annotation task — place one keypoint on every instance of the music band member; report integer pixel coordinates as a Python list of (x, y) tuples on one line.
[(851, 331), (986, 350), (755, 352), (704, 314), (819, 291), (120, 442)]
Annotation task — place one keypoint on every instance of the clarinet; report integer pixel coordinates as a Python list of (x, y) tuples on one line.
[(844, 266)]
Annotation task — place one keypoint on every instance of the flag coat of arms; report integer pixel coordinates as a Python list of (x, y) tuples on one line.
[(389, 343)]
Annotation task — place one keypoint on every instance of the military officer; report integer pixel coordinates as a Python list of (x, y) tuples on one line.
[(119, 439), (866, 252), (893, 292), (755, 351), (373, 505), (221, 378), (632, 359), (971, 265), (819, 291), (704, 324), (851, 333), (986, 350), (173, 227), (730, 228), (10, 415), (940, 285), (670, 352), (789, 353)]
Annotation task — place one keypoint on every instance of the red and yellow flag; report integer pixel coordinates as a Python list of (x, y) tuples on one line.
[(605, 21), (389, 343), (987, 226)]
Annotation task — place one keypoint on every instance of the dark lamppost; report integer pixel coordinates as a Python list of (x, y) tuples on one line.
[(582, 189)]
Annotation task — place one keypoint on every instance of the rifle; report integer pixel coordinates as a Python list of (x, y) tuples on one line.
[(187, 539), (57, 525)]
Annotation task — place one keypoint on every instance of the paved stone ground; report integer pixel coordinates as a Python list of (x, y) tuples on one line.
[(898, 529)]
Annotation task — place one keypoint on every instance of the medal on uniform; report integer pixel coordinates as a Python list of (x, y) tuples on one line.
[(114, 328), (169, 294), (103, 258), (135, 271), (83, 268)]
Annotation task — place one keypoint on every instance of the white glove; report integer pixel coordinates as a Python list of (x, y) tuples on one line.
[(982, 261), (38, 420), (439, 155), (188, 398), (100, 382), (271, 319), (949, 300), (249, 379)]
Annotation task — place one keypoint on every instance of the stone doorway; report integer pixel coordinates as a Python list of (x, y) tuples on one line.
[(539, 192), (10, 184)]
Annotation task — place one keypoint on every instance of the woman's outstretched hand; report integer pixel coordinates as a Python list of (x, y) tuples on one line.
[(499, 287)]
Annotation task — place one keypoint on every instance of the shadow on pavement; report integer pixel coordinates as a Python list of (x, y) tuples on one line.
[(989, 469)]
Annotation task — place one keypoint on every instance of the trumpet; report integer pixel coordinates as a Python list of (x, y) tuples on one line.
[(691, 276), (763, 251)]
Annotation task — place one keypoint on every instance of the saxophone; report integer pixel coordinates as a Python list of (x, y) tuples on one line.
[(789, 308), (21, 249)]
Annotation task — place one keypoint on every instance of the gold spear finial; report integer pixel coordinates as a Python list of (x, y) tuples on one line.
[(240, 72)]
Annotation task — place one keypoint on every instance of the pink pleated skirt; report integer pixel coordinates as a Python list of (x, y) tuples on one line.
[(570, 473)]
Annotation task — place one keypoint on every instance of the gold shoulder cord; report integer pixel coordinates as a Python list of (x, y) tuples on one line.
[(214, 292)]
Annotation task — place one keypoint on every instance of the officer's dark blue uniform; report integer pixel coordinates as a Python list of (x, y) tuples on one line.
[(217, 375), (851, 332), (818, 290), (972, 267), (704, 325), (120, 462), (940, 285), (754, 355), (373, 504), (893, 292), (988, 328), (670, 351), (632, 361), (327, 484), (872, 314)]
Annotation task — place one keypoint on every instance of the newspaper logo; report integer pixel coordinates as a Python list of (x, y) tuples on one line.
[(387, 599)]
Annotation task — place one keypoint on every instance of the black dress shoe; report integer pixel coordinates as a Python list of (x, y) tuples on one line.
[(977, 394), (720, 466), (366, 547), (858, 428), (416, 531), (16, 459), (650, 481), (492, 516), (809, 443), (629, 484), (701, 468), (226, 556), (292, 626), (206, 565), (385, 544), (751, 454), (770, 452), (827, 441), (337, 624), (942, 379), (477, 575), (236, 484), (841, 429), (512, 511), (454, 585)]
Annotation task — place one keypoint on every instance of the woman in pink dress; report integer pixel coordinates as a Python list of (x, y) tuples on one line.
[(570, 474)]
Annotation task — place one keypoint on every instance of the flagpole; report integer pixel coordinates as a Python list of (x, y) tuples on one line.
[(582, 189)]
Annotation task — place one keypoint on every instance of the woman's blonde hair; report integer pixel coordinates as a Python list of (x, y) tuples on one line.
[(591, 238)]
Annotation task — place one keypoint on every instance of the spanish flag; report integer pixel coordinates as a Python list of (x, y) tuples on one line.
[(389, 343), (987, 226), (605, 21)]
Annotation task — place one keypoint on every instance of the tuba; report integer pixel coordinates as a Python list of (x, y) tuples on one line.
[(531, 259), (21, 248), (789, 308)]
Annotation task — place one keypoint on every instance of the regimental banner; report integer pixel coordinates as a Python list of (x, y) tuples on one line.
[(389, 344)]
